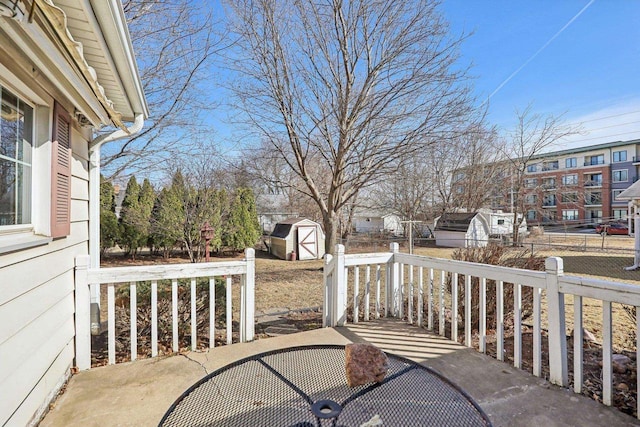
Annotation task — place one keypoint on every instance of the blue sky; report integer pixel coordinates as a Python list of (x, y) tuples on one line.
[(589, 71)]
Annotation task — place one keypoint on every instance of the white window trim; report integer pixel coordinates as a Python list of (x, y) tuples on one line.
[(37, 233), (619, 161)]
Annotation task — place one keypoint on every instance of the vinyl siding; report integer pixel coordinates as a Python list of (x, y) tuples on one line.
[(37, 308)]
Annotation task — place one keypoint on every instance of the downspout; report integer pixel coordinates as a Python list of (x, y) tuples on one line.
[(94, 207)]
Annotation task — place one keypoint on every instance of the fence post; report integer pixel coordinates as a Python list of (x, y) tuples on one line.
[(247, 304), (327, 304), (339, 291), (83, 316), (392, 294), (558, 373)]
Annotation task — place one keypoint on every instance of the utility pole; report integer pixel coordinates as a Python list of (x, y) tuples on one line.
[(410, 222)]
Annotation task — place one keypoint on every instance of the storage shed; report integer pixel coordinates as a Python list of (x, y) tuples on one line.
[(301, 236), (461, 230)]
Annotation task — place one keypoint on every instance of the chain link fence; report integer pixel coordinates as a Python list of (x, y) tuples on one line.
[(583, 253)]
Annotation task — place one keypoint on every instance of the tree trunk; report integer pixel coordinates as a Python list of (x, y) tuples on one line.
[(330, 223)]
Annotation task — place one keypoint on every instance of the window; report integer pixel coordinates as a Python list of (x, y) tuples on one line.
[(594, 160), (570, 197), (620, 175), (549, 166), (459, 189), (16, 143), (570, 179), (619, 214), (593, 199), (614, 194), (549, 216), (531, 199), (569, 214), (530, 182), (594, 216), (458, 176), (571, 162), (532, 168), (549, 183), (619, 156), (593, 180), (531, 215), (549, 200)]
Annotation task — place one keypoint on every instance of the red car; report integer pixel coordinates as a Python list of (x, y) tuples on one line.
[(613, 228)]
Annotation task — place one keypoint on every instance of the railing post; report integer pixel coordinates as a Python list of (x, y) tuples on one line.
[(327, 304), (83, 316), (247, 327), (339, 292), (392, 295), (558, 372)]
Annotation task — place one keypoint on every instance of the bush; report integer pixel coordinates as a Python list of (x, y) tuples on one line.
[(501, 256)]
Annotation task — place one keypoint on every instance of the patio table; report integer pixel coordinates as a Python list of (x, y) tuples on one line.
[(306, 386)]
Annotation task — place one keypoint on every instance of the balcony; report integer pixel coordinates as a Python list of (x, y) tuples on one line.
[(594, 163), (591, 183), (636, 160), (400, 303)]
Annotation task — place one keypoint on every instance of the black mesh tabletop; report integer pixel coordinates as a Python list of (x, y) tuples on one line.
[(306, 386)]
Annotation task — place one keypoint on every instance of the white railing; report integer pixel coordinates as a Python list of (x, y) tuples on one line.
[(428, 279), (132, 276)]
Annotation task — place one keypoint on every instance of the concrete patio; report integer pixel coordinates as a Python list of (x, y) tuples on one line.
[(138, 393)]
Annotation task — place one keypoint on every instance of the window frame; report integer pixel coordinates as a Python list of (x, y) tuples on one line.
[(571, 162), (573, 217), (619, 160), (619, 171), (26, 227)]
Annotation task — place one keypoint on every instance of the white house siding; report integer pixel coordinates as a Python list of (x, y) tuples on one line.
[(369, 225), (37, 308)]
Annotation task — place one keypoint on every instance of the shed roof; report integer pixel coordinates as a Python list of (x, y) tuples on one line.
[(631, 193), (455, 221)]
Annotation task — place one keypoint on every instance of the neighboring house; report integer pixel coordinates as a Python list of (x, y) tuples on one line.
[(375, 222), (461, 230), (66, 68), (270, 210), (299, 236)]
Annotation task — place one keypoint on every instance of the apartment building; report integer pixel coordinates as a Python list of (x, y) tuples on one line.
[(580, 185), (575, 186)]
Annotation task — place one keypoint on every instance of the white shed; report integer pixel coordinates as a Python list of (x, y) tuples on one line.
[(301, 236), (461, 230)]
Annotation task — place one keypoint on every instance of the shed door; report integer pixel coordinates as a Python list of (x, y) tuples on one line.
[(307, 242)]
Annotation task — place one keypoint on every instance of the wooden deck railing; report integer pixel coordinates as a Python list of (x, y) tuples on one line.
[(132, 276), (426, 285)]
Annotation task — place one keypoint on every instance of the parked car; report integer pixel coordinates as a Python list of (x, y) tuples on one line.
[(613, 228)]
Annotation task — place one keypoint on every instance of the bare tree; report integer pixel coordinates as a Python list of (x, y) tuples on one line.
[(466, 171), (408, 191), (357, 86), (174, 42), (532, 135)]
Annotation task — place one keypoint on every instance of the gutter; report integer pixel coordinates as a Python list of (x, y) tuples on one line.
[(94, 207)]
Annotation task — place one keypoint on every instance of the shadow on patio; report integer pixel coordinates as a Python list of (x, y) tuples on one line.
[(138, 393)]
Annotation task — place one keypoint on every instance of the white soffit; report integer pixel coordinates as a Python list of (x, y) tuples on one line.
[(118, 83)]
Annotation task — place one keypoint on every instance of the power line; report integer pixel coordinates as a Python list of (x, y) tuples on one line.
[(603, 137), (613, 126)]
